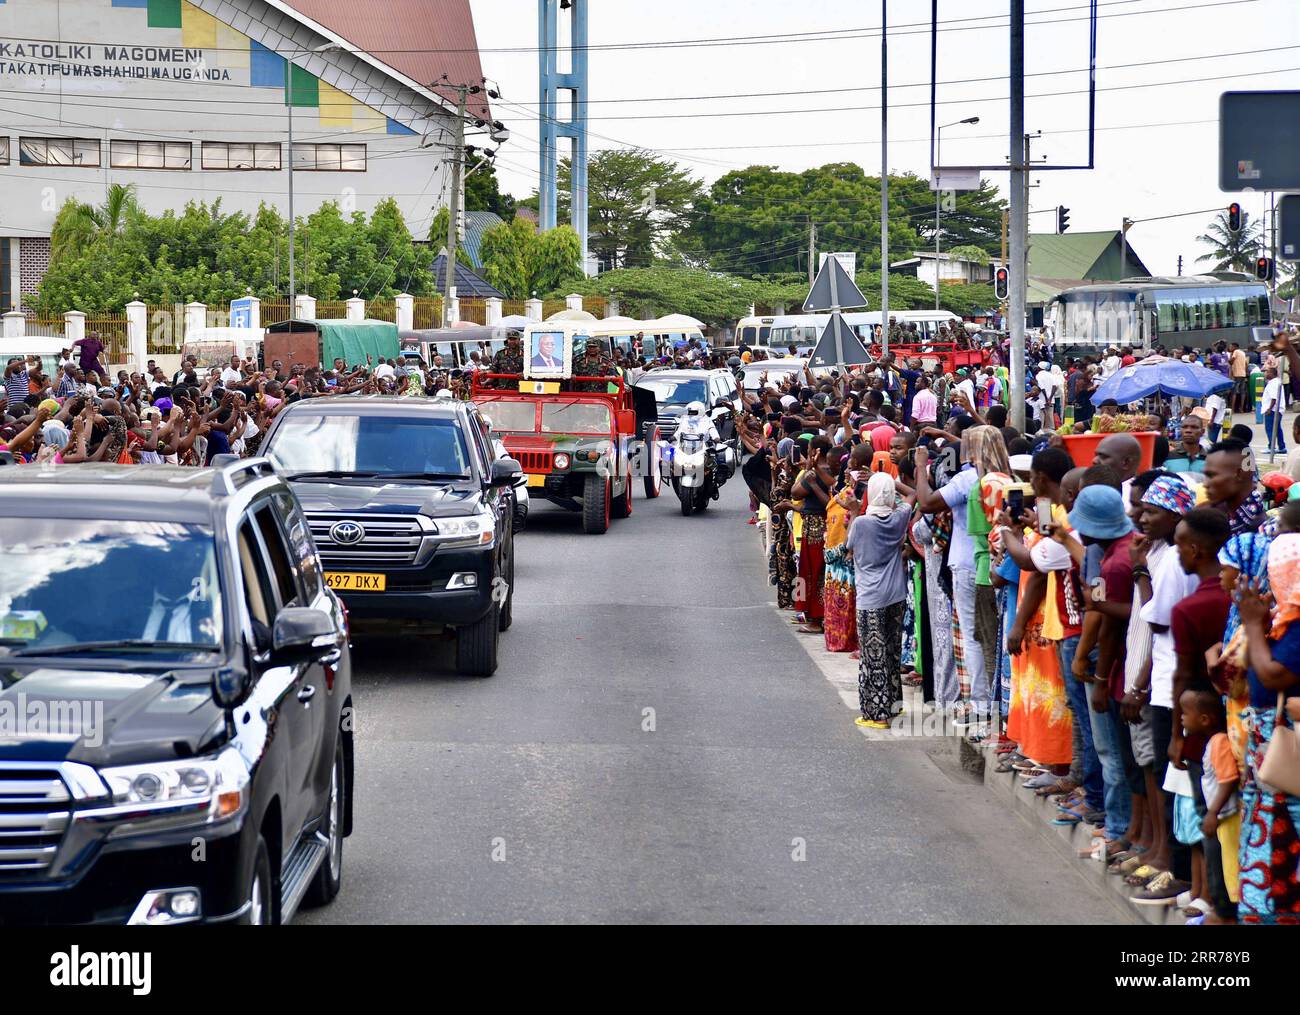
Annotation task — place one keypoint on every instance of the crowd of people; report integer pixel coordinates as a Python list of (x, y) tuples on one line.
[(1116, 626)]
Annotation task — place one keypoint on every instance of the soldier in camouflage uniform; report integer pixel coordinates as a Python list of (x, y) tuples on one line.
[(509, 360), (896, 335), (594, 363)]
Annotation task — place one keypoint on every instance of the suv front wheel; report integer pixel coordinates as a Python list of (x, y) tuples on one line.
[(476, 644)]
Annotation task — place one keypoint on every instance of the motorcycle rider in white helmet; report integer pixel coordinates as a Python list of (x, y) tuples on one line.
[(696, 421)]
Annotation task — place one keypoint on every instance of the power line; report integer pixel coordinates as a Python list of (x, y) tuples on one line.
[(822, 35), (956, 102)]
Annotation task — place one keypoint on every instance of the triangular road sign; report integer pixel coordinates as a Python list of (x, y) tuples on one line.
[(839, 344), (833, 289)]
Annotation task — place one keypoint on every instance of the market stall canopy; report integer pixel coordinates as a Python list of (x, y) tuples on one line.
[(1160, 374)]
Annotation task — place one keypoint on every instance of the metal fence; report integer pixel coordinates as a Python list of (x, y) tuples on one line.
[(112, 331)]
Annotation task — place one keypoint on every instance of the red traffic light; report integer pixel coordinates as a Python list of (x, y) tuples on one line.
[(1000, 280), (1234, 217), (1264, 269)]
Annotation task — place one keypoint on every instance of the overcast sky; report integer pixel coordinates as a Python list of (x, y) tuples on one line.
[(1164, 165)]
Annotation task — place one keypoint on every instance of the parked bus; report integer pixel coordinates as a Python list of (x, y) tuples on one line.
[(1192, 310), (803, 330)]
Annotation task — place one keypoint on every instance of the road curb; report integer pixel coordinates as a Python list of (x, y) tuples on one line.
[(1066, 840)]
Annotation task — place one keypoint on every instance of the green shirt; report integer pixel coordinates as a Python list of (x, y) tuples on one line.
[(978, 528)]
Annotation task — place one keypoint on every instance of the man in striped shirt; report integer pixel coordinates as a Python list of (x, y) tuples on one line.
[(16, 380), (67, 386)]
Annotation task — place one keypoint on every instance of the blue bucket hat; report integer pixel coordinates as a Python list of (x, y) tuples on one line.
[(1099, 513)]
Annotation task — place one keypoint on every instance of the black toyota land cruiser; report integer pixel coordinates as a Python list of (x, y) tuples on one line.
[(412, 512), (175, 698)]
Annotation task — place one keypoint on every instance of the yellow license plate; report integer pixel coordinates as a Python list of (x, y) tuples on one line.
[(534, 480), (352, 581)]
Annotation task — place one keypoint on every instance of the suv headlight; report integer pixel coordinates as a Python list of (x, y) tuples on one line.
[(172, 794), (471, 530)]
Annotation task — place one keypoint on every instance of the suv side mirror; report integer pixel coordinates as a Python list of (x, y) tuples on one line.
[(296, 633), (505, 472)]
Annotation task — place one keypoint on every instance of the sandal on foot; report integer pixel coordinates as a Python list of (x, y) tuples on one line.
[(1144, 873)]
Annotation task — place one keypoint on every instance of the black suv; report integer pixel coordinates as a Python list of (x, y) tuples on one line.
[(175, 698), (412, 511)]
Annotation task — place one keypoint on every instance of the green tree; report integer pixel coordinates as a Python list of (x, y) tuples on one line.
[(521, 261), (438, 239), (970, 252), (1232, 251), (79, 225), (636, 202)]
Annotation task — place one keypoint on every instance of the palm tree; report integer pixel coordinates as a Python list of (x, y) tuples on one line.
[(1232, 251), (78, 225)]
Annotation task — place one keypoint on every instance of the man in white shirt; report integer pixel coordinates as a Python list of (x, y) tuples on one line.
[(1218, 409), (1273, 405), (385, 369), (232, 375), (966, 387)]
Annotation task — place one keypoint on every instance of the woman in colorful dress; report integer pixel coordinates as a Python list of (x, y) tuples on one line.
[(813, 487), (839, 621), (782, 566), (1270, 846)]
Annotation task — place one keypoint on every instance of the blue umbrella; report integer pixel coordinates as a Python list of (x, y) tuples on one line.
[(1160, 374)]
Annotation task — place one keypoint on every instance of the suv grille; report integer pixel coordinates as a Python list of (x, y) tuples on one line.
[(389, 540), (535, 461), (35, 808), (668, 425)]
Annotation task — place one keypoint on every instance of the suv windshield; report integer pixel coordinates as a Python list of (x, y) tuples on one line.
[(576, 417), (673, 391), (377, 446), (68, 583)]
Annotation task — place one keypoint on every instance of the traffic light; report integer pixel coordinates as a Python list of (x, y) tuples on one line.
[(1001, 279), (1062, 218), (1234, 217), (1264, 269)]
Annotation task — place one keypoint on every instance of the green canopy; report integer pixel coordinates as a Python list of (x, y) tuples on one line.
[(353, 341)]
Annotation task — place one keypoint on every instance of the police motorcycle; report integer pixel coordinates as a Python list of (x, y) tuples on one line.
[(700, 458)]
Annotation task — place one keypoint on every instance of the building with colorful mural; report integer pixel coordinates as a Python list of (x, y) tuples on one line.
[(190, 100)]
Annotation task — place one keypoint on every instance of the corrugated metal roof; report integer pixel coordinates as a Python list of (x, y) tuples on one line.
[(476, 224), (422, 39)]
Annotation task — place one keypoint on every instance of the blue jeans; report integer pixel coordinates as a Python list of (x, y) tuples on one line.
[(1086, 768), (1273, 428), (1118, 796)]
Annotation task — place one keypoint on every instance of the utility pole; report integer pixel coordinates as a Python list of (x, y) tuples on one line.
[(884, 177), (288, 73), (1272, 251), (453, 207), (812, 251), (1019, 214), (1125, 225)]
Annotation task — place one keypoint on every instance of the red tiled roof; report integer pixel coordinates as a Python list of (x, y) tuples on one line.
[(422, 39)]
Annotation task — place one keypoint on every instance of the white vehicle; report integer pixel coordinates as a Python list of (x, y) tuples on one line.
[(776, 369), (803, 330)]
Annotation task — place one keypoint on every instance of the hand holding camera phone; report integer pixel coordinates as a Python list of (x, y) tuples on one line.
[(1043, 508)]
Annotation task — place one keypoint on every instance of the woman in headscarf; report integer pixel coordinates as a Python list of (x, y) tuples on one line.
[(1270, 846), (54, 439), (875, 541)]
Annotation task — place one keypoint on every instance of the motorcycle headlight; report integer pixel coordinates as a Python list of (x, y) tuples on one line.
[(172, 794), (471, 530)]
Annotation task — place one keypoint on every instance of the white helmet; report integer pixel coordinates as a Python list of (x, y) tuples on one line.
[(695, 410)]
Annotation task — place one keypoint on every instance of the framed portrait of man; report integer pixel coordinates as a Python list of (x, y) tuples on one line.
[(548, 355)]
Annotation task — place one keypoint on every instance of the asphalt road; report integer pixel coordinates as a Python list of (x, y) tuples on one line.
[(537, 796)]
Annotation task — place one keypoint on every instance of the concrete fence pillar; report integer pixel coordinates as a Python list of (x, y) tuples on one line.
[(137, 335), (533, 310), (751, 310), (196, 316), (405, 315), (573, 302), (74, 327), (611, 308), (304, 307), (452, 311), (15, 325), (493, 310), (356, 309)]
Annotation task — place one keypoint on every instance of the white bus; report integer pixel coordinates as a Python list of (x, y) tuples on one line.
[(780, 331)]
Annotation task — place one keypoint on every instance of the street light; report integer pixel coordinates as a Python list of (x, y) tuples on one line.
[(938, 194), (288, 74)]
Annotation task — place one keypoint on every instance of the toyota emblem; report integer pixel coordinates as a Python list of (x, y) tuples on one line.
[(347, 533)]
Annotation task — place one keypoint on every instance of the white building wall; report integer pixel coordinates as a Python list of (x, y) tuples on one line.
[(71, 87)]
